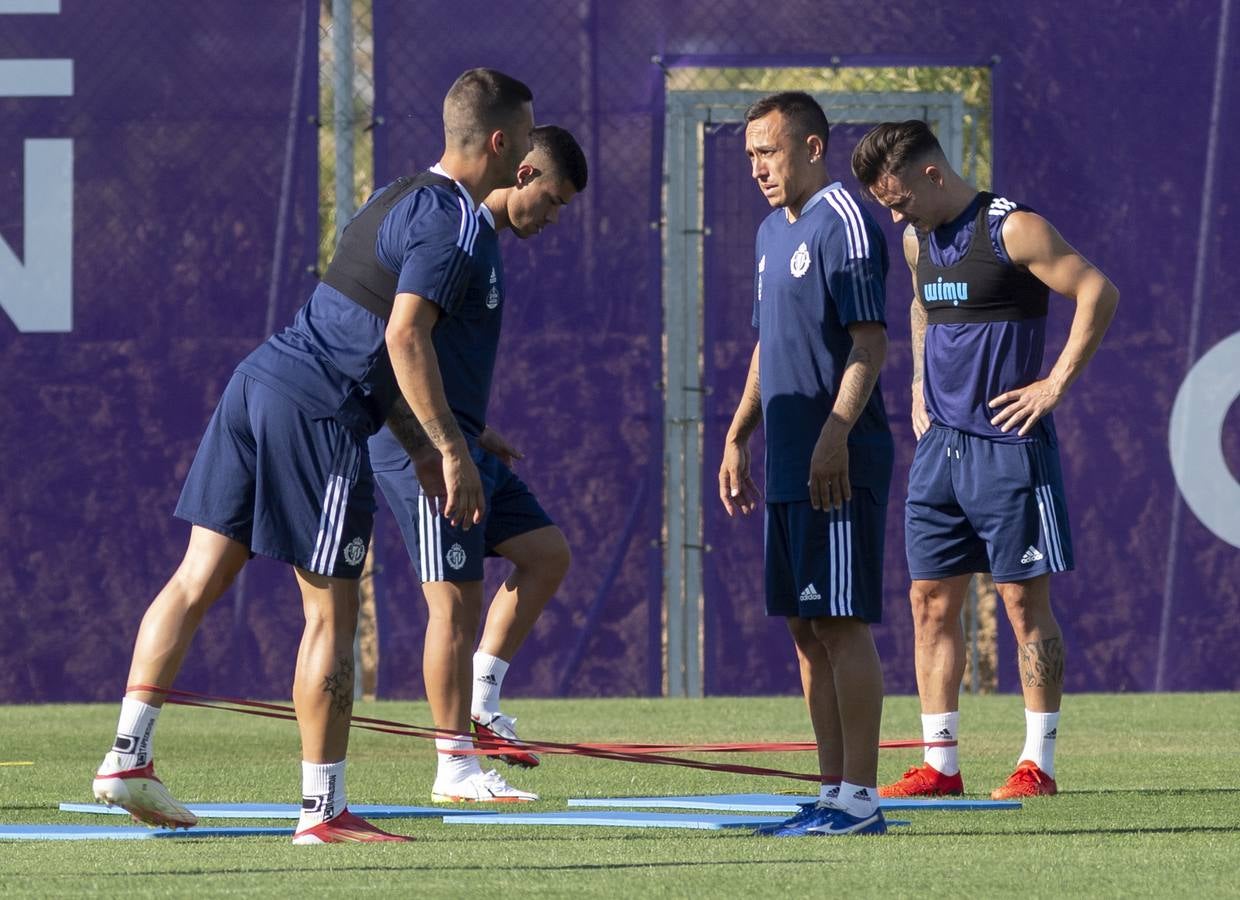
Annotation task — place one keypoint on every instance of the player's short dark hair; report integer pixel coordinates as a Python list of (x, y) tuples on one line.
[(888, 148), (565, 154), (802, 111), (481, 101)]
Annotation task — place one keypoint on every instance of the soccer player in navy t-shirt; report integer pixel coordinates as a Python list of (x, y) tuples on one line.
[(449, 560), (821, 263), (283, 468), (985, 488)]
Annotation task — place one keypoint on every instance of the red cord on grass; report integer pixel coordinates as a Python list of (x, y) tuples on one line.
[(652, 754)]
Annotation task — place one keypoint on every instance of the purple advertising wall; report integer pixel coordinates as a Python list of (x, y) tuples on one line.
[(1113, 120), (158, 213)]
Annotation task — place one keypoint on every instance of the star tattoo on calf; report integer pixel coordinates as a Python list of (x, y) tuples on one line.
[(339, 685)]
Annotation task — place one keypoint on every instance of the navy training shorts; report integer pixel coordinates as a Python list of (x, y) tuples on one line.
[(440, 552), (980, 505), (826, 562), (288, 486)]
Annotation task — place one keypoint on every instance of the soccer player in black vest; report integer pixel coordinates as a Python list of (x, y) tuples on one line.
[(283, 468), (985, 488), (449, 560)]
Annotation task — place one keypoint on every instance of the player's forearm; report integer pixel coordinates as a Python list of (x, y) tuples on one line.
[(406, 428), (417, 373), (860, 375), (749, 411), (1095, 308), (917, 323)]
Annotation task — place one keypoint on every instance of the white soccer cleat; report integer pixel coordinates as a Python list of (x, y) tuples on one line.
[(141, 794), (481, 787), (499, 733)]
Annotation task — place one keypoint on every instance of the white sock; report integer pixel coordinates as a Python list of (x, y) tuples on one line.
[(454, 767), (828, 793), (489, 672), (859, 800), (942, 727), (1041, 730), (135, 733), (322, 793)]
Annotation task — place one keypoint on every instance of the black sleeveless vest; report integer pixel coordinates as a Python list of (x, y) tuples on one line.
[(355, 271), (980, 287)]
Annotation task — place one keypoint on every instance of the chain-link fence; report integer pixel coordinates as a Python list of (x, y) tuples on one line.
[(190, 235), (594, 296)]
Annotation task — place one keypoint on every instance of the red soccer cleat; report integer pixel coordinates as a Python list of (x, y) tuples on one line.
[(500, 734), (345, 828), (140, 793), (924, 781), (1027, 781)]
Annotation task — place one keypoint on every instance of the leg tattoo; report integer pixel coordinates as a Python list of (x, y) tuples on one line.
[(1041, 663), (339, 684)]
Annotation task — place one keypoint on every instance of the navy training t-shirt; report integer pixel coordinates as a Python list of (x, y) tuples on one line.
[(814, 278), (333, 360), (466, 340)]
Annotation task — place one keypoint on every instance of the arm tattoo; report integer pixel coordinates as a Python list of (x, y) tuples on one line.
[(1041, 663), (406, 428), (855, 392), (444, 432), (751, 407), (749, 411), (339, 686), (917, 319)]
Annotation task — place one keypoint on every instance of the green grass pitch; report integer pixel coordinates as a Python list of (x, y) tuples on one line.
[(1150, 806)]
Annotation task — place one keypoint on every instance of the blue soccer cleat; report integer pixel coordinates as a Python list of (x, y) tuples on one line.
[(806, 811), (840, 821), (822, 821)]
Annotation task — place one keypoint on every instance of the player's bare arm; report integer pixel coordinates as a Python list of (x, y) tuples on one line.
[(1035, 244), (828, 466), (736, 487), (427, 461), (917, 322), (416, 366), (406, 428)]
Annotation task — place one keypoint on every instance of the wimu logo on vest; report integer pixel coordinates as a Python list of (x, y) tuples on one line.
[(941, 291)]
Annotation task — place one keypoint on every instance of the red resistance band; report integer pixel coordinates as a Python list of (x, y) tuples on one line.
[(638, 753)]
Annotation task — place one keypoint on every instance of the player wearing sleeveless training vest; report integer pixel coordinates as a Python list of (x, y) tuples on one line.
[(514, 525), (813, 381), (283, 468), (985, 488)]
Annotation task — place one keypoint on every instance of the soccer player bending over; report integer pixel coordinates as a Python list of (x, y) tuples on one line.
[(447, 558), (283, 469)]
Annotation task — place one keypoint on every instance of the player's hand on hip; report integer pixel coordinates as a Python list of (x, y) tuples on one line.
[(1023, 407), (921, 419), (736, 488), (466, 505), (493, 442), (828, 470)]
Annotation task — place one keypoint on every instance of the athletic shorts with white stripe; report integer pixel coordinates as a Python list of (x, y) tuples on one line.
[(288, 486), (440, 552), (826, 562), (978, 505)]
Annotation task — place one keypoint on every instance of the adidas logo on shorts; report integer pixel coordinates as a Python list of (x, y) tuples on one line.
[(1032, 555), (810, 594)]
